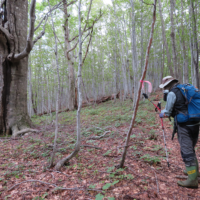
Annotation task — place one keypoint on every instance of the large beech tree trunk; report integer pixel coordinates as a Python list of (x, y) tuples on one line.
[(13, 75)]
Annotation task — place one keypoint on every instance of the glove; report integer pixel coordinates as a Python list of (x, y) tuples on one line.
[(161, 115)]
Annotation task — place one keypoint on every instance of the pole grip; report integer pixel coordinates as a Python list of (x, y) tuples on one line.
[(145, 95)]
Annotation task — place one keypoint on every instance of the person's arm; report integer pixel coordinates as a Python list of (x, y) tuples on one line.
[(171, 99)]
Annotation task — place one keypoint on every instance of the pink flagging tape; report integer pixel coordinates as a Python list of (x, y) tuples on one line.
[(149, 85)]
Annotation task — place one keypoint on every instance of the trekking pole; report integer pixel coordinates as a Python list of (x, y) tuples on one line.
[(158, 107)]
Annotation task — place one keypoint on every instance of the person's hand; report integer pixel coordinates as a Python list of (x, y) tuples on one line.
[(161, 115)]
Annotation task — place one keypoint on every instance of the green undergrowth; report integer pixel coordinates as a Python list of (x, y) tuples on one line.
[(116, 118), (95, 121), (104, 114)]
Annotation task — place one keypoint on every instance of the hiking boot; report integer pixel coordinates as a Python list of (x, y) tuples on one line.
[(197, 163), (192, 181)]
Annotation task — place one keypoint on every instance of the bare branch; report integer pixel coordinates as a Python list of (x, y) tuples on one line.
[(88, 46), (47, 14), (41, 33), (72, 2), (72, 48), (99, 137), (91, 35), (90, 27), (88, 15), (73, 38), (85, 37), (52, 9), (60, 43), (29, 43), (82, 33), (147, 3)]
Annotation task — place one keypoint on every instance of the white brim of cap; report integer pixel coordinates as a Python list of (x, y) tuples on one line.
[(163, 85)]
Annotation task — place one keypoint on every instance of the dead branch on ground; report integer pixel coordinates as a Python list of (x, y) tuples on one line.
[(99, 137)]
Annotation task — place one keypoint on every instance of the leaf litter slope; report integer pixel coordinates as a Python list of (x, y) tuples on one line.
[(92, 174)]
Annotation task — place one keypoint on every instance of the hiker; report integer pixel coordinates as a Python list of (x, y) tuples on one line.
[(188, 132)]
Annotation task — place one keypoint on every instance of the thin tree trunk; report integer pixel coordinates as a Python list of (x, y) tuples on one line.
[(140, 87), (173, 39), (48, 93), (57, 94), (182, 45), (93, 82), (185, 74), (123, 66), (69, 59), (142, 35), (127, 62), (169, 64), (31, 111), (196, 50), (115, 58), (134, 53), (78, 142)]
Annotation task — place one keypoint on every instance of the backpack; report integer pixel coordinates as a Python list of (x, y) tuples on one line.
[(192, 97)]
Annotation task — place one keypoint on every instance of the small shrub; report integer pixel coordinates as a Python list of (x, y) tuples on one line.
[(150, 159), (93, 112), (117, 124), (107, 153), (153, 135), (138, 120)]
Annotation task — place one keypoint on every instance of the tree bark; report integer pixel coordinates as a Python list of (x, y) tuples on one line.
[(69, 57), (183, 49), (30, 105), (173, 39), (140, 88), (13, 75), (169, 64), (78, 142), (134, 53), (115, 58), (142, 35), (195, 43)]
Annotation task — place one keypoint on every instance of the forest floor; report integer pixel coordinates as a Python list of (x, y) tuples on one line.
[(24, 172)]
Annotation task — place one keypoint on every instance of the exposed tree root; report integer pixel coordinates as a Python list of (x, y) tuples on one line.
[(23, 131), (99, 137), (66, 160)]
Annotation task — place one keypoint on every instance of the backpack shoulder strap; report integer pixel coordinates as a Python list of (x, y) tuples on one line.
[(177, 88)]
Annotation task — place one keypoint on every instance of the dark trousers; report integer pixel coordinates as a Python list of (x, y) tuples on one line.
[(188, 137)]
